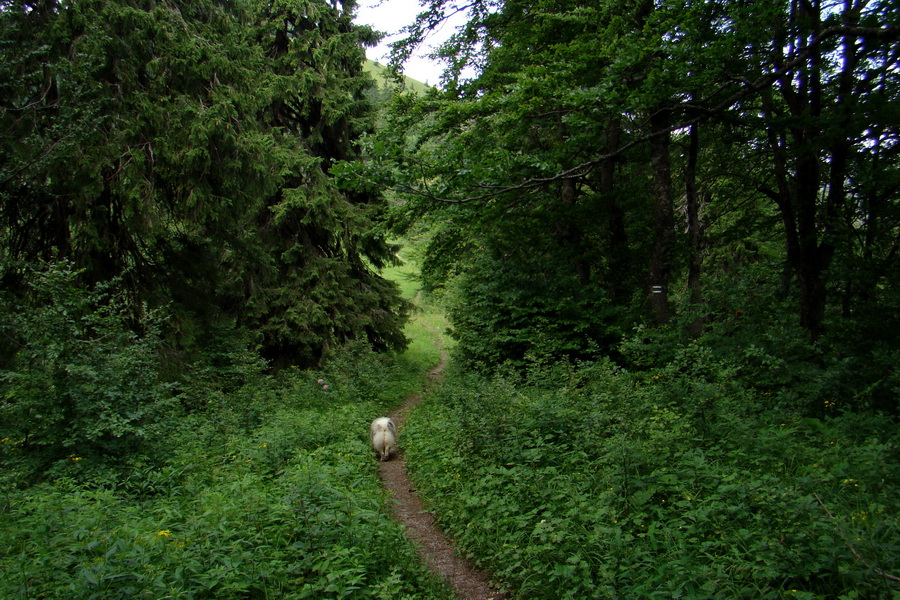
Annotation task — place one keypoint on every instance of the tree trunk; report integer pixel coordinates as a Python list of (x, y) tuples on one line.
[(798, 170), (619, 257), (663, 218), (569, 234), (695, 233)]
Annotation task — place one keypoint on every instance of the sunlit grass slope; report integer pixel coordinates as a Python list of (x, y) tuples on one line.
[(379, 73)]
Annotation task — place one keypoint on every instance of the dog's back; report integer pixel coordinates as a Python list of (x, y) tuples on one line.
[(383, 435)]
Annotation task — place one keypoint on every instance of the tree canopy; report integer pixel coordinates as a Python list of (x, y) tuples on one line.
[(184, 148), (646, 156)]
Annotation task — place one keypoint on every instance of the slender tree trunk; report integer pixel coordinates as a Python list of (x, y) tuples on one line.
[(798, 170), (840, 152), (804, 103), (695, 232), (619, 257), (568, 232), (663, 219), (865, 286), (810, 271), (781, 195)]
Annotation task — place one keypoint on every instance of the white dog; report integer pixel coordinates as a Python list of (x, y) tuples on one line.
[(383, 434)]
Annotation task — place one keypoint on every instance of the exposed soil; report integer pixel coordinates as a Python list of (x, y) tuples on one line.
[(435, 549)]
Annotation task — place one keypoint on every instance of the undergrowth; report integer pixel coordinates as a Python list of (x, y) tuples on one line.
[(268, 491), (595, 482), (693, 475)]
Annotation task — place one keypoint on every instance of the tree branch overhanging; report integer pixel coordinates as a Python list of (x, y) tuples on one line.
[(701, 114)]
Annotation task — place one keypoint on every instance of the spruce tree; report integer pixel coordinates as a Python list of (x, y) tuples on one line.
[(185, 148)]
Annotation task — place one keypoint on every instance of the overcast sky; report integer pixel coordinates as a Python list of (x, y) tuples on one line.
[(390, 16)]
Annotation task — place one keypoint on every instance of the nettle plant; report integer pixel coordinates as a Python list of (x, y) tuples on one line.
[(286, 504)]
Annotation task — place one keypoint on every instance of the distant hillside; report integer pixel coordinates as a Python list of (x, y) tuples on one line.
[(380, 75)]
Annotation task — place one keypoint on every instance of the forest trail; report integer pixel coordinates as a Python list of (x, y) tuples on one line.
[(435, 549)]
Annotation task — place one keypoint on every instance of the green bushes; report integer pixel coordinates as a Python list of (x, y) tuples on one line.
[(79, 380), (507, 308), (317, 531), (268, 489), (599, 483)]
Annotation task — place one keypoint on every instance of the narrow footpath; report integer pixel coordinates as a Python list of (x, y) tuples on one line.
[(435, 549)]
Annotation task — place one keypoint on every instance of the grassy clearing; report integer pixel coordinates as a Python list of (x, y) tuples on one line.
[(428, 321)]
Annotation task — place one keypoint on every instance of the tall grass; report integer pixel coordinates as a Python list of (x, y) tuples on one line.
[(427, 329)]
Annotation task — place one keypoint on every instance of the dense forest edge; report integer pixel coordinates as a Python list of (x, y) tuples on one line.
[(245, 484), (659, 239)]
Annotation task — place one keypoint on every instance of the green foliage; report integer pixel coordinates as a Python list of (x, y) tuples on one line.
[(508, 310), (270, 492), (184, 151), (256, 486), (749, 323), (542, 165), (80, 380), (595, 482)]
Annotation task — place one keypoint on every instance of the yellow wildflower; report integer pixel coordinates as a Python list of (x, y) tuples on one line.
[(164, 533)]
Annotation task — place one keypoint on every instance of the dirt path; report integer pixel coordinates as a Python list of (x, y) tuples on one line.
[(434, 547)]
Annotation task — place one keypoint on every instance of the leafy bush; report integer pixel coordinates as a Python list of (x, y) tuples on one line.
[(522, 310), (270, 491), (593, 482), (80, 382), (318, 531)]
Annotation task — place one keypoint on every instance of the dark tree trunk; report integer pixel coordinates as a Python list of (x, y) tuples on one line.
[(619, 256), (569, 233), (695, 232), (663, 218), (796, 150)]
